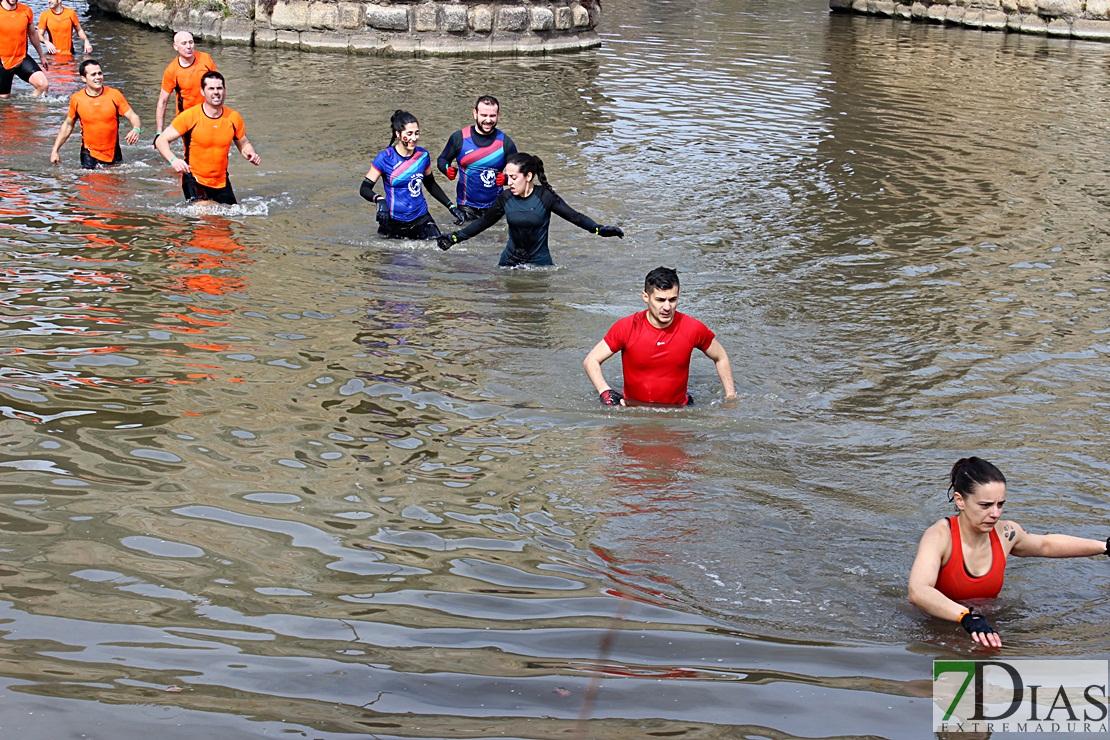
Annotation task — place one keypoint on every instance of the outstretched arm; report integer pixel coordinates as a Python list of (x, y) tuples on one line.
[(88, 44), (1052, 545), (717, 353)]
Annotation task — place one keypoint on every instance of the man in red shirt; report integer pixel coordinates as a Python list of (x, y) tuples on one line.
[(655, 348), (17, 27)]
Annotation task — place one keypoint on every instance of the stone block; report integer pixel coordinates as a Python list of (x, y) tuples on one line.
[(365, 43), (1058, 27), (563, 18), (351, 15), (581, 17), (480, 19), (1060, 8), (973, 18), (1092, 30), (918, 11), (1027, 6), (265, 38), (240, 8), (903, 12), (541, 19), (1033, 24), (1010, 6), (425, 17), (512, 19), (1098, 9), (956, 14), (937, 13), (287, 39), (237, 31), (156, 14), (262, 9), (323, 15), (881, 7), (994, 20), (387, 18), (323, 41), (859, 6), (1013, 22), (453, 18), (289, 15)]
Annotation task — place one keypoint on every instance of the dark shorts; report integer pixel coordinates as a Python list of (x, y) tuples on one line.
[(89, 162), (194, 191), (24, 69), (422, 227), (471, 213)]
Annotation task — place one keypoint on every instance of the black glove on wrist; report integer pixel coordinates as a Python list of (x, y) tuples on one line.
[(610, 397), (974, 623), (458, 214), (610, 231), (446, 241)]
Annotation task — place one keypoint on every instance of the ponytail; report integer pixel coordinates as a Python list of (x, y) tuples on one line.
[(971, 472), (397, 124)]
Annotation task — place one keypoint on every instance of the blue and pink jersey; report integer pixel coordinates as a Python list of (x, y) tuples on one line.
[(478, 186), (404, 182)]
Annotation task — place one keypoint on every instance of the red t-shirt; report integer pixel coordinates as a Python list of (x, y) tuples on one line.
[(13, 34), (656, 362)]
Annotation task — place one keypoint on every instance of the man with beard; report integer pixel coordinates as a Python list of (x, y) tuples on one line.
[(480, 151)]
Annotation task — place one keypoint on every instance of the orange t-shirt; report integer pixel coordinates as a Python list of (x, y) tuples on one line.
[(99, 118), (13, 34), (60, 26), (209, 142), (185, 81)]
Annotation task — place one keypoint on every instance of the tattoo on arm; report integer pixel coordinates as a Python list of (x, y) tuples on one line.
[(1009, 532)]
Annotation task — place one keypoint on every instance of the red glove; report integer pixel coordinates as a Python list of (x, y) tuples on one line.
[(500, 179), (452, 172)]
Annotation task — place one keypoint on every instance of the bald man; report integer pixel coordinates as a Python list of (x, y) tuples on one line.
[(182, 76)]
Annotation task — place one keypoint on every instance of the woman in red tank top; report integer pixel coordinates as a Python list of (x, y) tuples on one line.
[(963, 558)]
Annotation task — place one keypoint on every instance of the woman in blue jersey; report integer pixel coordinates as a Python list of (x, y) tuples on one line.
[(527, 206), (406, 169)]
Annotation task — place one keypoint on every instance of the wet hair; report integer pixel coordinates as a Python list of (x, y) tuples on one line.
[(971, 472), (661, 278), (212, 75), (397, 124), (85, 65), (530, 164), (488, 100)]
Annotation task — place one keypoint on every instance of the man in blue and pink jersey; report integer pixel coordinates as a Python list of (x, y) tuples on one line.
[(480, 151), (655, 348)]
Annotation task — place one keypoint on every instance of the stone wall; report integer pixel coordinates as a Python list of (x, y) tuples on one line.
[(1082, 19), (397, 27)]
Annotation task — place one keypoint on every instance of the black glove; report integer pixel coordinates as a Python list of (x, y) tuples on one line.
[(446, 241), (1108, 545), (610, 231), (383, 211), (610, 397), (458, 214), (974, 623)]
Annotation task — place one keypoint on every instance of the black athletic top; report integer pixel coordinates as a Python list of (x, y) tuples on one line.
[(528, 220)]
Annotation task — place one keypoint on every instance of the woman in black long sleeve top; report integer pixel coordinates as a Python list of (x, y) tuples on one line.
[(527, 206)]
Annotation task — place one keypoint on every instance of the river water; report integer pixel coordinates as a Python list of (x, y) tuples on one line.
[(267, 473)]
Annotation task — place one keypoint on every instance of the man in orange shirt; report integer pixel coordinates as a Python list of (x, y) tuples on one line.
[(98, 107), (182, 77), (17, 26), (213, 128), (59, 23)]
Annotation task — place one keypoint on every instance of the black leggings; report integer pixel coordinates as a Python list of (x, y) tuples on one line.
[(422, 227)]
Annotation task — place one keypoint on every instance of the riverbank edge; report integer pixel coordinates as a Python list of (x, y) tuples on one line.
[(1081, 19), (429, 28)]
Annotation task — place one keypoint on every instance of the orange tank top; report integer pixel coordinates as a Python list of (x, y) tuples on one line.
[(957, 584)]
